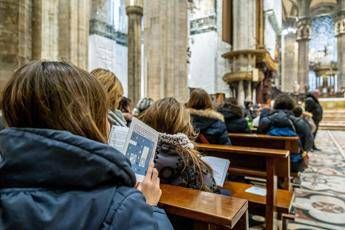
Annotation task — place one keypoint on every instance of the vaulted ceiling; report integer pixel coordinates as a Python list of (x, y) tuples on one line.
[(290, 7)]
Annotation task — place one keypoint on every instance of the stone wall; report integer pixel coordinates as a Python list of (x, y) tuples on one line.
[(42, 29), (107, 39), (207, 67), (165, 48)]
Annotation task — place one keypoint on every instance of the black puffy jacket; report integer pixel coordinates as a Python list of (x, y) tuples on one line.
[(312, 105), (234, 119), (210, 124), (284, 118)]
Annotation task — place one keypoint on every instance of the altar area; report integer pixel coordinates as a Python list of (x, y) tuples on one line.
[(334, 113)]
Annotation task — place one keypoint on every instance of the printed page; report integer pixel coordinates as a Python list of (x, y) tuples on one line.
[(140, 147), (257, 190), (118, 137), (220, 168)]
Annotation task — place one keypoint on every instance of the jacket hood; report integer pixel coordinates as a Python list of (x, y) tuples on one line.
[(231, 112), (60, 160), (280, 118), (208, 113), (176, 139)]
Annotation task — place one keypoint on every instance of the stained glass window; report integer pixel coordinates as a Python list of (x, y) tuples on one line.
[(323, 42)]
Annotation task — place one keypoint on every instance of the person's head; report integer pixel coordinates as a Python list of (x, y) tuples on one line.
[(231, 101), (125, 105), (298, 111), (316, 93), (169, 116), (284, 101), (142, 105), (111, 84), (248, 104), (56, 95), (200, 100)]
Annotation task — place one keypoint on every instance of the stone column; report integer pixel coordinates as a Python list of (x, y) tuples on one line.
[(165, 48), (303, 37), (134, 9), (73, 31), (340, 34), (15, 36)]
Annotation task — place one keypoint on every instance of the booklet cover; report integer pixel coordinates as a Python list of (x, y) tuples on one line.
[(140, 147), (220, 168)]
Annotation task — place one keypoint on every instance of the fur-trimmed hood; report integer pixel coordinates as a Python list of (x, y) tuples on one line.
[(208, 113)]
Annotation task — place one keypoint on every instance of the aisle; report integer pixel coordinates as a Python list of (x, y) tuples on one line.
[(320, 202)]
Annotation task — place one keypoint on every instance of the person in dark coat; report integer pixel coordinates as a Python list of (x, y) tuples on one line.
[(177, 161), (234, 117), (56, 170), (282, 122), (206, 121), (313, 106)]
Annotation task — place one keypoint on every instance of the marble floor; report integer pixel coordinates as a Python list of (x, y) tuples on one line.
[(319, 203), (319, 198)]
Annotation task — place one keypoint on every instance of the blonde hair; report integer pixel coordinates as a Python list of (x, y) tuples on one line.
[(171, 117), (111, 84), (56, 95)]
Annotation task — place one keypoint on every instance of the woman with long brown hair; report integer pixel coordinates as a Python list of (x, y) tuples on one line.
[(206, 121), (176, 159), (56, 170), (114, 92)]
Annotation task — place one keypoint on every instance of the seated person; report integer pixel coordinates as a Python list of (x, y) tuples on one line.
[(234, 117), (298, 111), (114, 91), (177, 161), (125, 106), (282, 122), (206, 121), (56, 170)]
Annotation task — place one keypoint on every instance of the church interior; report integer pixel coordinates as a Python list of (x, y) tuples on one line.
[(250, 57)]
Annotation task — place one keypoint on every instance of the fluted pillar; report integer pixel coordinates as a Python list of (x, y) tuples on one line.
[(134, 9), (340, 34), (165, 45), (303, 37), (15, 36)]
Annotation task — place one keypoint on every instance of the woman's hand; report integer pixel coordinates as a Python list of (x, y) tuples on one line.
[(150, 187)]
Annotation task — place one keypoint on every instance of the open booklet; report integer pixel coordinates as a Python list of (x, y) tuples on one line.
[(138, 144), (220, 168)]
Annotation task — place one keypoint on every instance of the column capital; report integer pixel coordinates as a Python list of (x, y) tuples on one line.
[(134, 10), (303, 29)]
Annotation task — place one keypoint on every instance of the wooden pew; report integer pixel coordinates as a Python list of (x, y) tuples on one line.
[(254, 160), (271, 142), (205, 208), (266, 141)]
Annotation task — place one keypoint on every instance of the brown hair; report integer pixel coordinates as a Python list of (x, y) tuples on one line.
[(200, 100), (111, 84), (56, 95), (284, 101), (169, 116)]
